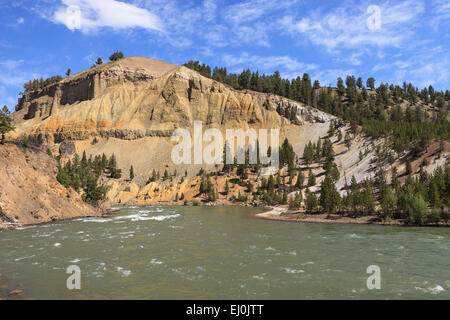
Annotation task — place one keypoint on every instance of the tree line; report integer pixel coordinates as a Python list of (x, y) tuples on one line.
[(37, 84)]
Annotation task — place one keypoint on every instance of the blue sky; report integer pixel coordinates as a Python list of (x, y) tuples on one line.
[(393, 41)]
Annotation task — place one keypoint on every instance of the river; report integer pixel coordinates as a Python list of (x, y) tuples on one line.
[(221, 253)]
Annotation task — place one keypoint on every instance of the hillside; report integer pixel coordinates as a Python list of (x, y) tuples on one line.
[(129, 109), (30, 193)]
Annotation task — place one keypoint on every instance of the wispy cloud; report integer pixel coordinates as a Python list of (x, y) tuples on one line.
[(347, 26), (441, 10), (268, 63), (13, 74)]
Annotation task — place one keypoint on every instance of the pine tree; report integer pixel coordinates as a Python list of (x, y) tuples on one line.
[(394, 178), (348, 141), (116, 56), (131, 173), (329, 196), (298, 199), (368, 198), (300, 180), (359, 83), (227, 187), (408, 167), (284, 198), (308, 153), (388, 204), (370, 83), (310, 201), (311, 179)]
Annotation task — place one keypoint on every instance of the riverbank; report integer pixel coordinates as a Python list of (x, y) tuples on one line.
[(16, 225), (282, 213)]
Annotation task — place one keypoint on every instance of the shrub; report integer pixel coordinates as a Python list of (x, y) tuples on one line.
[(416, 209), (26, 141)]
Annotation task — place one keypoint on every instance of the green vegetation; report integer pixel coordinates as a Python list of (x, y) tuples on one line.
[(36, 84), (83, 175), (6, 123), (25, 141), (116, 56), (131, 173)]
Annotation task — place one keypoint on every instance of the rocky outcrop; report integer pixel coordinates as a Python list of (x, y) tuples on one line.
[(30, 193)]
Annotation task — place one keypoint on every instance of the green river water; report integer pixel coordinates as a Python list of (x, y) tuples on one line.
[(221, 253)]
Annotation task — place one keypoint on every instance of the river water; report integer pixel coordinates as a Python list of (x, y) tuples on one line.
[(222, 253)]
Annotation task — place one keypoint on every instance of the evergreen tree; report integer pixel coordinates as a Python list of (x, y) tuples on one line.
[(227, 187), (408, 167), (329, 196), (300, 180), (6, 123), (116, 56), (388, 203), (368, 198), (370, 83), (311, 179), (131, 173), (359, 83), (311, 202), (348, 141)]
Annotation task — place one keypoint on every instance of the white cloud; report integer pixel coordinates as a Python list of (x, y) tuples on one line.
[(91, 15)]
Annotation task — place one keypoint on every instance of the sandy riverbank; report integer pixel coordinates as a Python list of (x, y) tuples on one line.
[(282, 213)]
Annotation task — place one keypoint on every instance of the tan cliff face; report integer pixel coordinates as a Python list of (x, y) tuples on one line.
[(138, 97)]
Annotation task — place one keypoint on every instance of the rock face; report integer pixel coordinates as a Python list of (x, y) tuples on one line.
[(139, 97), (30, 193)]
